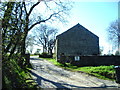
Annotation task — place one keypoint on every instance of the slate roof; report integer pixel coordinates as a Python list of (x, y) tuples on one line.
[(79, 27)]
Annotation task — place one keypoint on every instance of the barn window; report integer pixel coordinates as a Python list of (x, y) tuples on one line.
[(77, 58)]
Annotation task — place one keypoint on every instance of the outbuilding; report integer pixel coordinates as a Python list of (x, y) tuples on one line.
[(77, 41)]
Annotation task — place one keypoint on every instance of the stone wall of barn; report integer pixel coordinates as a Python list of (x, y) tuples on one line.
[(78, 41)]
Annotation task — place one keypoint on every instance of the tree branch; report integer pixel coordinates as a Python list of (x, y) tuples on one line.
[(40, 41), (44, 20), (33, 8), (25, 8)]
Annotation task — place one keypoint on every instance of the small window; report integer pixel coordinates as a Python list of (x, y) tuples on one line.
[(77, 58)]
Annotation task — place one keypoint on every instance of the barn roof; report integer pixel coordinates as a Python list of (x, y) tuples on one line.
[(78, 26)]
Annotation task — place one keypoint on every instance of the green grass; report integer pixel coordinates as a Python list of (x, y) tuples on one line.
[(53, 61), (16, 77), (102, 72), (33, 55)]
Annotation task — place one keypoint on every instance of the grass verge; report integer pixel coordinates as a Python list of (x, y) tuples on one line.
[(102, 72), (16, 77), (33, 55)]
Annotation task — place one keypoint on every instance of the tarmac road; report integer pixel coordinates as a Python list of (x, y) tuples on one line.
[(48, 75)]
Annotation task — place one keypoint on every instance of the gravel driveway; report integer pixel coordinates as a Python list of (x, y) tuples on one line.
[(48, 75)]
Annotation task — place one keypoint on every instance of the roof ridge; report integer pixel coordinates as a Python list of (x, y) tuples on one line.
[(68, 29), (77, 25)]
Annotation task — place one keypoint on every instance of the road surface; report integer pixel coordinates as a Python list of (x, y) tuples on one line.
[(48, 75)]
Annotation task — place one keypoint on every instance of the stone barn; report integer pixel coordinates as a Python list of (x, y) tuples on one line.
[(77, 41)]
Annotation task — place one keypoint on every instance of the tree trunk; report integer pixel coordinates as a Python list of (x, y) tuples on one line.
[(5, 23), (23, 49), (50, 52)]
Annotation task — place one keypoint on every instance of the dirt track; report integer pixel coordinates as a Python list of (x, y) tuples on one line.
[(48, 75)]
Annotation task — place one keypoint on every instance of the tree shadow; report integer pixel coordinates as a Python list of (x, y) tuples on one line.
[(60, 86)]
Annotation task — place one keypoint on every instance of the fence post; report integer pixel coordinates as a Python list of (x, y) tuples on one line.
[(27, 57)]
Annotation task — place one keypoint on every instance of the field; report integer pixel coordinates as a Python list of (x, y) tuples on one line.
[(102, 72)]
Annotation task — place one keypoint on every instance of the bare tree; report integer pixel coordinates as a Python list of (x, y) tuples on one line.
[(53, 13), (17, 21), (114, 33), (45, 36)]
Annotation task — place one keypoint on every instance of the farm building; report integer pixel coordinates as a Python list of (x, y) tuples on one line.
[(77, 41)]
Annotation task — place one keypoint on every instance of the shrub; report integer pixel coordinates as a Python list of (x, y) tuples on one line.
[(36, 53), (45, 55)]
